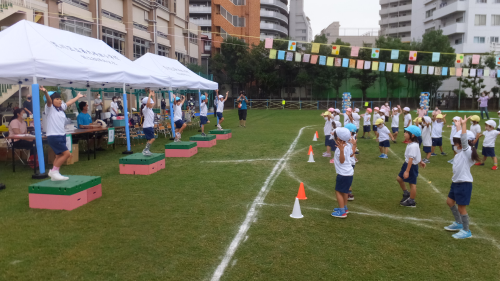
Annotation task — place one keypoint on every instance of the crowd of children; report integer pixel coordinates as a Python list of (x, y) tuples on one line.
[(424, 131)]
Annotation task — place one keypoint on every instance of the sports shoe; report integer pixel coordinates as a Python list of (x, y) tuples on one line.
[(147, 153), (346, 210), (451, 161), (332, 161), (385, 156), (409, 203), (350, 197), (339, 213), (327, 155), (56, 176), (362, 137), (357, 152), (394, 141), (405, 197), (381, 155), (479, 164), (433, 154), (203, 134), (426, 161), (462, 234), (177, 140), (443, 153), (494, 168), (374, 138), (454, 227)]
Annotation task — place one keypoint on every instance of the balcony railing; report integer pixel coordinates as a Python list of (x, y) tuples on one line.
[(200, 9), (201, 22), (275, 3), (453, 29), (275, 27), (271, 14), (5, 4), (450, 7)]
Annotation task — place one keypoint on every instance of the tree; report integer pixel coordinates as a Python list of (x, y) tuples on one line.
[(195, 68), (366, 77), (392, 80)]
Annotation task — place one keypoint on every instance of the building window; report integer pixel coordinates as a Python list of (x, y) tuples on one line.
[(180, 57), (140, 26), (479, 40), (493, 39), (480, 20), (193, 60), (328, 34), (458, 41), (238, 2), (460, 19), (495, 19), (141, 47), (193, 38), (114, 39), (76, 26), (164, 3), (429, 13), (175, 6), (481, 1), (78, 3), (112, 16), (163, 51), (234, 20), (223, 34)]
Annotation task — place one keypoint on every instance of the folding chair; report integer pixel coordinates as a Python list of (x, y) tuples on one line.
[(10, 146)]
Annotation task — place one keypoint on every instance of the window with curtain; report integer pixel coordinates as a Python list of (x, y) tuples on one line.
[(480, 20), (495, 19)]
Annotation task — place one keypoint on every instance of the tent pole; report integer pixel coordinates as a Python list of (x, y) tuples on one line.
[(127, 129), (20, 97), (199, 99), (171, 102), (35, 93)]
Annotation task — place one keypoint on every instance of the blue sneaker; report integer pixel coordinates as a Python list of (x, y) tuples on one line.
[(385, 156), (443, 153), (346, 210), (381, 155), (454, 227), (339, 213), (433, 154), (462, 234)]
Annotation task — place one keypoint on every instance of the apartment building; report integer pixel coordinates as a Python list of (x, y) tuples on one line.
[(355, 36), (300, 24), (396, 18)]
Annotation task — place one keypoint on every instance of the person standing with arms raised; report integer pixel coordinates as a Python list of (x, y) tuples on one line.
[(242, 109)]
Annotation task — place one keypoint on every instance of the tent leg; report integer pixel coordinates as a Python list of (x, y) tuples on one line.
[(172, 123), (127, 129), (35, 92)]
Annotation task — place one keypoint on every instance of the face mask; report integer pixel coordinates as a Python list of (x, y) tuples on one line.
[(455, 148), (439, 121), (24, 115)]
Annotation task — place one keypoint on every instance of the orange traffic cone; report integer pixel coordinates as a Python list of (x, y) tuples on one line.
[(310, 150), (302, 193), (317, 136)]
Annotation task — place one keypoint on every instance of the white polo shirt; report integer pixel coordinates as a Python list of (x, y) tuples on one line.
[(437, 129), (413, 152), (395, 121), (426, 135), (177, 112), (56, 119), (220, 106), (366, 119), (383, 134), (149, 117), (407, 119), (344, 169), (203, 109), (328, 126), (490, 138)]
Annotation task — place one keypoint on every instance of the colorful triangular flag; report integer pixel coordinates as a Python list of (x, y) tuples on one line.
[(424, 69), (352, 63), (402, 68), (444, 71), (486, 72), (465, 72), (410, 68), (453, 71), (395, 67), (431, 70), (338, 62), (458, 72), (437, 70), (480, 73), (368, 64), (289, 56), (472, 72), (497, 59), (381, 66), (389, 67)]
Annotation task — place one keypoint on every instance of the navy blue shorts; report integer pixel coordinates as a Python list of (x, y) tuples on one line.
[(489, 151), (367, 129), (149, 133), (385, 143), (203, 120), (461, 192), (57, 143), (329, 142), (178, 124), (219, 115), (395, 130), (419, 141), (437, 141), (343, 183), (413, 174), (498, 129), (375, 128), (476, 145), (427, 149)]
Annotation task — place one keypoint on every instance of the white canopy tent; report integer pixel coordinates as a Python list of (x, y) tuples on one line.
[(31, 53), (180, 77)]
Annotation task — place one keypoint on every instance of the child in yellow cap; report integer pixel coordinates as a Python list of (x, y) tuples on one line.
[(438, 121), (475, 128)]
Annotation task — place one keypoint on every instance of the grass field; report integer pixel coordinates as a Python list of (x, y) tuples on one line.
[(215, 215)]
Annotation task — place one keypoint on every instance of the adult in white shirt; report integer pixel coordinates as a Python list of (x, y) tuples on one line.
[(179, 123), (113, 107), (56, 134), (220, 108), (98, 106)]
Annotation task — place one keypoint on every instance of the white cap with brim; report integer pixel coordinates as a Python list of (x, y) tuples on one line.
[(145, 100), (343, 134), (406, 109), (221, 96), (491, 123), (338, 124), (427, 119), (470, 135)]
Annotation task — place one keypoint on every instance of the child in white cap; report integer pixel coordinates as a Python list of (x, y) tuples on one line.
[(148, 124), (367, 128), (336, 114), (396, 111), (376, 116), (203, 114), (345, 172), (383, 138), (426, 138), (407, 118), (452, 134), (179, 123), (409, 170), (490, 136), (220, 109), (438, 122), (356, 119), (461, 186)]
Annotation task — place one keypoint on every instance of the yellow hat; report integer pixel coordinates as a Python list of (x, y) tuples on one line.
[(475, 118), (379, 121), (439, 116), (418, 119), (326, 113)]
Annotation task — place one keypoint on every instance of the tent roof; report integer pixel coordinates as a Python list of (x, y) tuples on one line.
[(58, 57), (179, 75)]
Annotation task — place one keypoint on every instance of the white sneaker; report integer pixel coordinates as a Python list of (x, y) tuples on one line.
[(56, 176)]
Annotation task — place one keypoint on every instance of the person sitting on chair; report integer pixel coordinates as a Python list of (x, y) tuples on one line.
[(17, 126), (84, 121)]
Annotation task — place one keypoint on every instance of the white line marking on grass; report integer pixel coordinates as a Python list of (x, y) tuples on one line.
[(252, 213), (486, 236), (240, 161)]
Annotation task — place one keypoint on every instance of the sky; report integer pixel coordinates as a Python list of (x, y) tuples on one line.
[(350, 13)]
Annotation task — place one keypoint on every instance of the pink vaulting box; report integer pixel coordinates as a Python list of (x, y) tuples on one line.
[(206, 143), (94, 193), (126, 169), (181, 152), (161, 164), (224, 136), (58, 202)]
